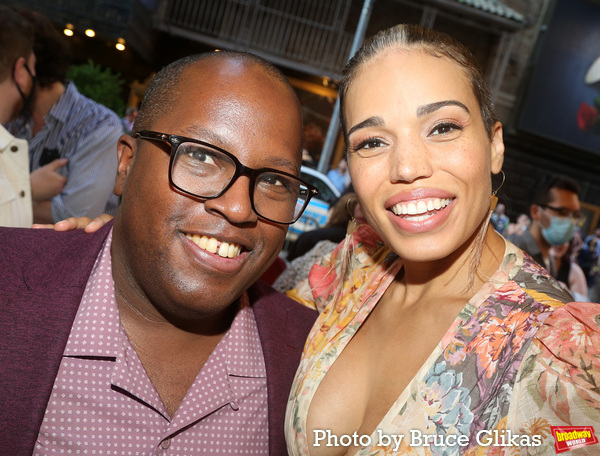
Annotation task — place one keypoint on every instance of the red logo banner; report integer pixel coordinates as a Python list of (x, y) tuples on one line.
[(568, 438)]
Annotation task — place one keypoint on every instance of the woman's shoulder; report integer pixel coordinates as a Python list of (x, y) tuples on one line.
[(345, 273), (566, 348), (533, 279), (572, 327)]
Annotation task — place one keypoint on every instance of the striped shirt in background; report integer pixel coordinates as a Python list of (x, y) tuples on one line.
[(86, 133)]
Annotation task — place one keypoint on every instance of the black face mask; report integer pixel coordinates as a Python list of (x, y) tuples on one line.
[(27, 100)]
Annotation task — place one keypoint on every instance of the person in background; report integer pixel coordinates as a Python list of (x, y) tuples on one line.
[(130, 114), (500, 220), (595, 235), (518, 228), (563, 257), (17, 84), (432, 324), (65, 124), (340, 177), (315, 244), (334, 230), (587, 258), (313, 144), (555, 210), (153, 333)]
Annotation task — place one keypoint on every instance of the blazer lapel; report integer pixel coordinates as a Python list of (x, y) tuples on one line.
[(38, 303), (283, 326)]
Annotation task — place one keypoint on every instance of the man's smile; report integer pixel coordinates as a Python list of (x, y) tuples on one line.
[(213, 245)]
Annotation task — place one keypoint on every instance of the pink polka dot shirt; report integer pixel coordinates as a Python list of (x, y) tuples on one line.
[(103, 402)]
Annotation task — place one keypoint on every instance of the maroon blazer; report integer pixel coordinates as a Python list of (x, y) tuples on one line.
[(43, 275)]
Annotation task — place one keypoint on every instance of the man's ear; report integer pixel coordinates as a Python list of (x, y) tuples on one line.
[(126, 150), (535, 212), (497, 149), (20, 74)]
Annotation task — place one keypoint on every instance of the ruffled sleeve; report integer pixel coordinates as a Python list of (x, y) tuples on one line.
[(558, 383), (360, 251)]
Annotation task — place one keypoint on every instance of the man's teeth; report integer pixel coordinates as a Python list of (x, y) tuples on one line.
[(420, 207), (210, 244)]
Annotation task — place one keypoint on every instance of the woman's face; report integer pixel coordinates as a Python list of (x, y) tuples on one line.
[(419, 155)]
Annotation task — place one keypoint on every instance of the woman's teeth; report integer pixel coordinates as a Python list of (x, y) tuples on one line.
[(418, 210), (212, 245)]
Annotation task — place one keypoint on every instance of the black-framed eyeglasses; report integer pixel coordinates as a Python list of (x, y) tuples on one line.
[(200, 169), (565, 212)]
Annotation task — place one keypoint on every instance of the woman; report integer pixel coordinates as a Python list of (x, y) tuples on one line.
[(433, 324)]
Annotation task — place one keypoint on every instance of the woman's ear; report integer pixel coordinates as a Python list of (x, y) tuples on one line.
[(496, 149), (126, 150)]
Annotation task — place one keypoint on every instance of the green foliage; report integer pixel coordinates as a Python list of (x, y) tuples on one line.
[(99, 84)]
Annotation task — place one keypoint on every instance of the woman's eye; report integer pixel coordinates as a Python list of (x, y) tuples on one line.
[(369, 147), (444, 129), (370, 144)]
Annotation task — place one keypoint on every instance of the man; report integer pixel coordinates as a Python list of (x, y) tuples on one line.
[(65, 124), (17, 81), (554, 210), (590, 238), (340, 176), (153, 337)]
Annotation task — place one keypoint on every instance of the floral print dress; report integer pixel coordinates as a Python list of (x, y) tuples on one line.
[(516, 361)]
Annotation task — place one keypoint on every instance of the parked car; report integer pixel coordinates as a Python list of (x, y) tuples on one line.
[(315, 214)]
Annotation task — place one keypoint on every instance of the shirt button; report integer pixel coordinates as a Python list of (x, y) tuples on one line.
[(22, 193), (165, 443), (14, 148)]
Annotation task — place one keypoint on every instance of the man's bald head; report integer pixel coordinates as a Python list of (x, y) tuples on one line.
[(164, 90)]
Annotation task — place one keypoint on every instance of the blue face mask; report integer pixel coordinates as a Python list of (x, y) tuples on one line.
[(560, 231)]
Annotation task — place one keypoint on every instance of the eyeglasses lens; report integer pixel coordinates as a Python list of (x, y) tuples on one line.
[(206, 172)]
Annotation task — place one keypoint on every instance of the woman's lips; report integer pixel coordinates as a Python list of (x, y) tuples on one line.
[(421, 215), (420, 209)]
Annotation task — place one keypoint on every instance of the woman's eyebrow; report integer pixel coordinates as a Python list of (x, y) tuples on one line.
[(431, 107), (374, 121)]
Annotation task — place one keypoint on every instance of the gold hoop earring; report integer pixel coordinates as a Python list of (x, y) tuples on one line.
[(350, 200), (501, 183), (494, 198)]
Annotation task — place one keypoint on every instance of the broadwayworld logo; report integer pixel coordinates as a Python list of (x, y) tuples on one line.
[(568, 438)]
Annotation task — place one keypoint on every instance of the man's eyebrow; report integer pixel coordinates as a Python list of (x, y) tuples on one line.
[(427, 109), (374, 121), (213, 137), (280, 162)]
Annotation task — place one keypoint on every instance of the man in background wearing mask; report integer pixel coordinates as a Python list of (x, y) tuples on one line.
[(63, 124), (554, 210), (17, 83)]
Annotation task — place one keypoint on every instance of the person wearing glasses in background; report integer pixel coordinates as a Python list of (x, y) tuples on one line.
[(555, 212), (152, 335)]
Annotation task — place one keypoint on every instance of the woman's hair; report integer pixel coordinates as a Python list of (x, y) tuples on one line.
[(416, 37)]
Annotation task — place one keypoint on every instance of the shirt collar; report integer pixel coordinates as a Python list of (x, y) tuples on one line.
[(5, 137), (62, 108), (97, 328), (242, 344)]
